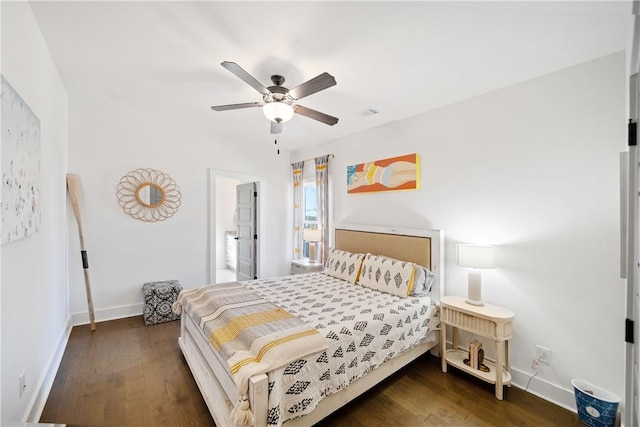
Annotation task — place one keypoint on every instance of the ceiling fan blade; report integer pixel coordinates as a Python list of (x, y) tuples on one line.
[(316, 84), (276, 128), (316, 115), (236, 106), (246, 77)]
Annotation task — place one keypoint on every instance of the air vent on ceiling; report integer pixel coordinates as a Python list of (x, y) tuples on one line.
[(368, 113)]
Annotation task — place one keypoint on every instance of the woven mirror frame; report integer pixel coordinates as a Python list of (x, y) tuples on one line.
[(149, 195)]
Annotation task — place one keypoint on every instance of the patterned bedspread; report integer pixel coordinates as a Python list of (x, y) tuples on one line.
[(252, 334), (364, 328)]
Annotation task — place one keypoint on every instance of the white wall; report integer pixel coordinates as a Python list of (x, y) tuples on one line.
[(108, 138), (34, 271), (532, 169)]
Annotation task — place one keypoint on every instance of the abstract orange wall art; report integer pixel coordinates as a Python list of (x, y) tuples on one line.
[(395, 173)]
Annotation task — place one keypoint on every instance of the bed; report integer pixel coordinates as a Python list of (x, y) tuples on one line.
[(307, 388)]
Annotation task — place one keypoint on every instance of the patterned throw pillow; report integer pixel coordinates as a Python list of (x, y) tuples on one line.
[(422, 281), (387, 275), (344, 265)]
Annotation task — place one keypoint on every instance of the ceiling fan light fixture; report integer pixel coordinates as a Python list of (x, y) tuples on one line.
[(279, 103), (277, 111)]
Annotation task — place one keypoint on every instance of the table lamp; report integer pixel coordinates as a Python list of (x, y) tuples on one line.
[(475, 257), (312, 236)]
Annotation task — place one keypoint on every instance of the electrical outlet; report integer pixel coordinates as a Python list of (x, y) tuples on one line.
[(535, 364), (543, 354), (23, 383)]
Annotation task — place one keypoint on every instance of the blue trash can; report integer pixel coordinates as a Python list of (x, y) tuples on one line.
[(596, 407)]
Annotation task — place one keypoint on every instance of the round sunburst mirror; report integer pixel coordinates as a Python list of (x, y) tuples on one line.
[(149, 195)]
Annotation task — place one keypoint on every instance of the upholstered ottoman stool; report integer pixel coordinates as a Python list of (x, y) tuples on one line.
[(158, 298)]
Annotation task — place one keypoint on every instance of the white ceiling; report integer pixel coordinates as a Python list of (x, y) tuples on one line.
[(400, 58)]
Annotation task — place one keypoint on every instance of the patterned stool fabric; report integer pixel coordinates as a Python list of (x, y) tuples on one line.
[(158, 298)]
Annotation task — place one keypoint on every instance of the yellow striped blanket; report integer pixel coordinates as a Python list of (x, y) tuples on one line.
[(253, 335)]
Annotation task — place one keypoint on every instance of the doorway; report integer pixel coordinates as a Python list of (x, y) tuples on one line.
[(223, 221), (631, 410)]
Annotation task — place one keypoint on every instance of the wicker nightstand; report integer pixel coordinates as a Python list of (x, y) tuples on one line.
[(489, 321), (301, 266)]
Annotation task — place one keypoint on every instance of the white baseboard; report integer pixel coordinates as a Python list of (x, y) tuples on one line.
[(544, 389), (112, 313), (39, 399)]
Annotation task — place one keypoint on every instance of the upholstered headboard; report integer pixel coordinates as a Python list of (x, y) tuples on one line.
[(424, 247)]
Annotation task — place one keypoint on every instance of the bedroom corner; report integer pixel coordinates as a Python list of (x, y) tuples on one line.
[(35, 316)]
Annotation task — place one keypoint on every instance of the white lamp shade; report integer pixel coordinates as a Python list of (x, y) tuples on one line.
[(476, 256), (310, 235), (277, 111)]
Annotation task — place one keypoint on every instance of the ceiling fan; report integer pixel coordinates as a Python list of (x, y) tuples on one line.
[(279, 103)]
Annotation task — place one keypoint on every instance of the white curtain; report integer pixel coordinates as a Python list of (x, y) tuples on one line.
[(322, 202), (297, 209)]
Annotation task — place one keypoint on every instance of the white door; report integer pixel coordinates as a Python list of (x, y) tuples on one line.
[(246, 233), (632, 379), (631, 415)]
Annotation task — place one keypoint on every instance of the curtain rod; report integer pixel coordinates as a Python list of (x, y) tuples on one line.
[(313, 158)]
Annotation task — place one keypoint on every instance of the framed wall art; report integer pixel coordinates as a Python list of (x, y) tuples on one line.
[(20, 195), (394, 173)]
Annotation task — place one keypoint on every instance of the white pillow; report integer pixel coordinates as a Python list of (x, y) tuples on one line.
[(423, 279), (387, 275), (343, 265)]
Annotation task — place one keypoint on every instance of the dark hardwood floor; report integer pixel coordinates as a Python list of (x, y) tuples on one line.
[(129, 374)]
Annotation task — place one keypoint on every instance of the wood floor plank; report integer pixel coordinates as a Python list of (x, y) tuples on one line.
[(386, 412), (434, 420), (425, 402), (129, 374), (138, 411), (161, 414)]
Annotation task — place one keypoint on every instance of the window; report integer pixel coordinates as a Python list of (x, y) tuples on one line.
[(310, 212)]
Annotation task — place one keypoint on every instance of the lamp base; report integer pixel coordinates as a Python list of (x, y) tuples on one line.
[(474, 293), (312, 252)]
